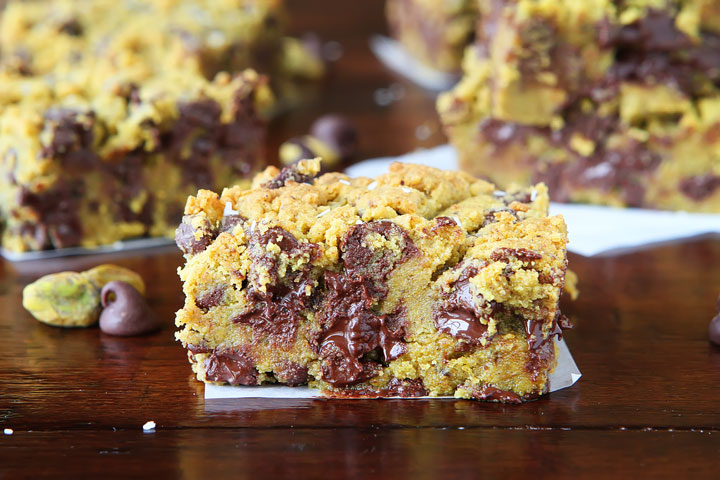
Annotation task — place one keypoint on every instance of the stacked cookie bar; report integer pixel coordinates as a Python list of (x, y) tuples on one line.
[(113, 111), (606, 101)]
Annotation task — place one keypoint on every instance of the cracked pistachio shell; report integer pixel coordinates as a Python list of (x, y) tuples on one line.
[(65, 299), (106, 273)]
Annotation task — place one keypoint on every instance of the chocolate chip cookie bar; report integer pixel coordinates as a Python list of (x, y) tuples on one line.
[(436, 33), (112, 112), (419, 282), (606, 101)]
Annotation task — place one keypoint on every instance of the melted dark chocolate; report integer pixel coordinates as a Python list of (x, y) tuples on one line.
[(374, 265), (288, 174), (233, 366), (276, 311), (523, 254), (458, 315), (492, 394), (352, 330), (211, 299)]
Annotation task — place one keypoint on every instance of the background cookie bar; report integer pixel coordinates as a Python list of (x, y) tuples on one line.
[(434, 32), (605, 101), (420, 282), (113, 112)]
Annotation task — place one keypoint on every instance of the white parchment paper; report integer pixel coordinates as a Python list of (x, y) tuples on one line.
[(394, 56), (592, 229)]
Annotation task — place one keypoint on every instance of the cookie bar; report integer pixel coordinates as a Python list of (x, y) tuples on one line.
[(112, 112), (436, 33), (610, 102), (420, 282), (90, 171)]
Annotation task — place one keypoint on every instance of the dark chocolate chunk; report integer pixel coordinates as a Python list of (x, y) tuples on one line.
[(352, 332), (492, 394), (699, 187), (371, 264), (276, 310), (58, 213), (338, 132), (228, 222), (445, 222), (291, 373), (523, 254), (211, 299), (71, 27), (187, 240), (235, 366), (458, 315), (653, 47), (542, 348), (126, 314), (287, 174), (407, 387)]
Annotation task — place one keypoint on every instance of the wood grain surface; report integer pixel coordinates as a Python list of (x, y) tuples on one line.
[(648, 404)]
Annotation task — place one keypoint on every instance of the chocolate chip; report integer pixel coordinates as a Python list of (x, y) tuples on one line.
[(714, 327), (338, 132), (128, 313)]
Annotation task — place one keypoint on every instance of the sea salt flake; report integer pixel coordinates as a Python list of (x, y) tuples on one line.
[(406, 189), (344, 182), (372, 186), (499, 193), (8, 431), (457, 220), (229, 210), (149, 426), (323, 213)]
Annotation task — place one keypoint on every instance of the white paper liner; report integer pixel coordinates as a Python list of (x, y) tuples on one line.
[(126, 245), (565, 375), (592, 229), (394, 56)]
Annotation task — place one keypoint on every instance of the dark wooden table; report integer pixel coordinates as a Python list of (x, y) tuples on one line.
[(648, 404)]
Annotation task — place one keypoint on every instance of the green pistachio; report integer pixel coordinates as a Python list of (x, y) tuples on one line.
[(65, 299), (107, 273)]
